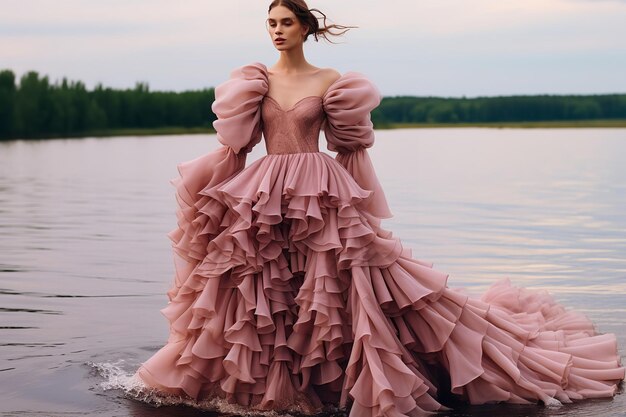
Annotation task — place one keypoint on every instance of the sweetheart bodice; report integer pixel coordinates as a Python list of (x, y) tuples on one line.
[(294, 130)]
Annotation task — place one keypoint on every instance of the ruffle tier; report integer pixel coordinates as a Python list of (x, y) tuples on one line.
[(288, 295)]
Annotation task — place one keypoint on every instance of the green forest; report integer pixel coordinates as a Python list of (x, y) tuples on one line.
[(501, 109), (36, 108)]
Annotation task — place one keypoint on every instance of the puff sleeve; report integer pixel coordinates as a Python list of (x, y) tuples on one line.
[(237, 106), (349, 131), (238, 125)]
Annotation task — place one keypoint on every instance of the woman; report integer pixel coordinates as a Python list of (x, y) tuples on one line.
[(290, 296)]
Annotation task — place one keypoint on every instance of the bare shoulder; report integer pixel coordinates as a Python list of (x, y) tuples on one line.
[(330, 74)]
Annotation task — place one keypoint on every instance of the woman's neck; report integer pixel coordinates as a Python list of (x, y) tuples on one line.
[(292, 61)]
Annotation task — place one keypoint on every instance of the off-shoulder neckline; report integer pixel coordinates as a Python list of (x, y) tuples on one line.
[(263, 67), (341, 77)]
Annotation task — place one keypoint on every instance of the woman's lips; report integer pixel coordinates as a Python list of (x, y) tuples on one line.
[(279, 40)]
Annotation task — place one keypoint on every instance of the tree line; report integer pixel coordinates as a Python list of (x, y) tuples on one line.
[(523, 108), (36, 108)]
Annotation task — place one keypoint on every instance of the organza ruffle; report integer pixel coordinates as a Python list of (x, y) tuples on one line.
[(288, 295)]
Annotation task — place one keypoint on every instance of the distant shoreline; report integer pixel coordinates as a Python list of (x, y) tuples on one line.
[(606, 123), (557, 124), (33, 107)]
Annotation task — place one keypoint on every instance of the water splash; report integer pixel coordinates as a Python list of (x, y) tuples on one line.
[(117, 378), (553, 403)]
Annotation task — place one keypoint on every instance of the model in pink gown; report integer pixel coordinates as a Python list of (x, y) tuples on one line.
[(288, 294)]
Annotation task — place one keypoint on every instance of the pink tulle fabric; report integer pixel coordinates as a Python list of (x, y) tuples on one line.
[(288, 295)]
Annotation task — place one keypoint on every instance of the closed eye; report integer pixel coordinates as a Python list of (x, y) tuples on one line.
[(286, 22)]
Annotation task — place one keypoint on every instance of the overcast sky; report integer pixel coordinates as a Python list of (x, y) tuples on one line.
[(407, 47)]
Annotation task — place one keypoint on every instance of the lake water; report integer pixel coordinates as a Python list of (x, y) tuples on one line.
[(85, 261)]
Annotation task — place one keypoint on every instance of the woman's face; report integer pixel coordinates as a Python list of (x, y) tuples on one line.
[(284, 28)]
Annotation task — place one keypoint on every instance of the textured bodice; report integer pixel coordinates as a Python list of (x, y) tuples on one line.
[(292, 130)]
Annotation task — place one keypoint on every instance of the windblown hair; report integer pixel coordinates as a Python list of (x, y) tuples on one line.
[(308, 19)]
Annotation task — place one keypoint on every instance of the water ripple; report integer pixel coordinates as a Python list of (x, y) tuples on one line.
[(86, 262)]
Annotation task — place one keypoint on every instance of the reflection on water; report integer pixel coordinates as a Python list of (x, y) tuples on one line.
[(85, 261)]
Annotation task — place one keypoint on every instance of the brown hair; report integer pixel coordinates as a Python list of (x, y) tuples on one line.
[(308, 19)]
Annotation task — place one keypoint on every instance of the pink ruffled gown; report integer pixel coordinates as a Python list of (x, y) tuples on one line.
[(288, 294)]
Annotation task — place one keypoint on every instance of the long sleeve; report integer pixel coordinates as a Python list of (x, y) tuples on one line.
[(349, 131), (238, 125)]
